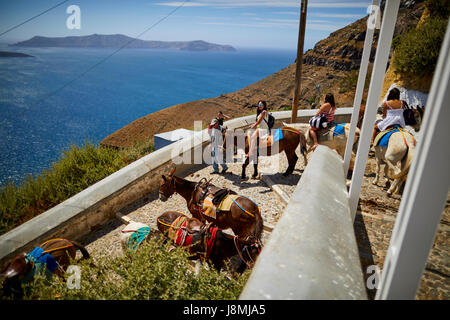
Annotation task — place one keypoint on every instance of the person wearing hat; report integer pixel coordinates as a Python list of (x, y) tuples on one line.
[(215, 132)]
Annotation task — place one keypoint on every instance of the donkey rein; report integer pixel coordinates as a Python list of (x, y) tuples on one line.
[(239, 252)]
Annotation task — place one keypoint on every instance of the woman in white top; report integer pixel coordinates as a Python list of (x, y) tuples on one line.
[(392, 113), (262, 131)]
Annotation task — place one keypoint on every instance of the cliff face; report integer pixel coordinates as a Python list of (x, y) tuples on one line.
[(342, 50), (326, 69)]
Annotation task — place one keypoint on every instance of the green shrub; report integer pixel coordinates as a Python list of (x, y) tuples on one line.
[(418, 51), (396, 41), (438, 8), (77, 169), (150, 273), (349, 81)]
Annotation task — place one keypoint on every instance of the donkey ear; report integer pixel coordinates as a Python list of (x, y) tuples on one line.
[(164, 178), (172, 171)]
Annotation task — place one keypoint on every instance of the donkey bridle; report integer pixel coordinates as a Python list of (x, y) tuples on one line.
[(245, 249)]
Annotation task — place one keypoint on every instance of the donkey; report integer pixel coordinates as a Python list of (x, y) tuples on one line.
[(213, 244), (401, 148), (291, 139), (328, 138), (22, 267), (244, 216)]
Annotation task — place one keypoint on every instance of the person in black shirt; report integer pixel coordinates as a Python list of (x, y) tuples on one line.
[(221, 117)]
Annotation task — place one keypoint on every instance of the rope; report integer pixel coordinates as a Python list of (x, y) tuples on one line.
[(59, 248), (171, 225), (243, 208), (259, 209), (55, 249), (404, 139), (291, 130)]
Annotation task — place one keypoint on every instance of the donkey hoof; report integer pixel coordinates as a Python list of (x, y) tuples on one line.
[(243, 178)]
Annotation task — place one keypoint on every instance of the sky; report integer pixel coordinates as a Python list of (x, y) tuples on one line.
[(240, 23)]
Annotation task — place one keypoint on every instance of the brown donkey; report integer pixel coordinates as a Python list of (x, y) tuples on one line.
[(23, 266), (243, 217), (291, 138), (210, 243)]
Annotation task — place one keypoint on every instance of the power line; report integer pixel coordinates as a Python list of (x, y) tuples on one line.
[(34, 17), (113, 53)]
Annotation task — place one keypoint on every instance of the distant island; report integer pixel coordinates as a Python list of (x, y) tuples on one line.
[(8, 54), (119, 40)]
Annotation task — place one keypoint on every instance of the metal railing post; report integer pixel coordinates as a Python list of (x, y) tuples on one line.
[(425, 192), (379, 70), (374, 14)]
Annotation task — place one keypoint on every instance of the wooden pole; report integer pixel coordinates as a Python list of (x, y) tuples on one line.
[(299, 62)]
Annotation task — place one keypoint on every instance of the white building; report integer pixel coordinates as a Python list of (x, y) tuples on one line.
[(166, 138)]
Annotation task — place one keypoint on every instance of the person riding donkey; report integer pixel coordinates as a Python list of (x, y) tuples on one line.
[(392, 114), (264, 123), (215, 132), (323, 118)]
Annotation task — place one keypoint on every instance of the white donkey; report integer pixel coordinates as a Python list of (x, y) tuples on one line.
[(400, 149), (326, 137)]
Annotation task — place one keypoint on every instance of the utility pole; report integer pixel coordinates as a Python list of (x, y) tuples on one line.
[(298, 69)]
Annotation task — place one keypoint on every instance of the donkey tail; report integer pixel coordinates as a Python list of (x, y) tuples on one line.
[(82, 249), (303, 148), (406, 165)]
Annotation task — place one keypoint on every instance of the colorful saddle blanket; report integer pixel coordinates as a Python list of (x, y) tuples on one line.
[(382, 139), (277, 134), (339, 129), (43, 262), (178, 232), (137, 237), (210, 209)]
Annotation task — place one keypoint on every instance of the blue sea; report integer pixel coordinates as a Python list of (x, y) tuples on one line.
[(36, 123)]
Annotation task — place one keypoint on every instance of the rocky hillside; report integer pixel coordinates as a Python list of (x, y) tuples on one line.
[(329, 67), (342, 50)]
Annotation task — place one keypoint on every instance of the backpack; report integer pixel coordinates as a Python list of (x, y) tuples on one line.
[(271, 121), (408, 115)]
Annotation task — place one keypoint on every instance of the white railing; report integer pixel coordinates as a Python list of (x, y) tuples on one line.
[(312, 251)]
